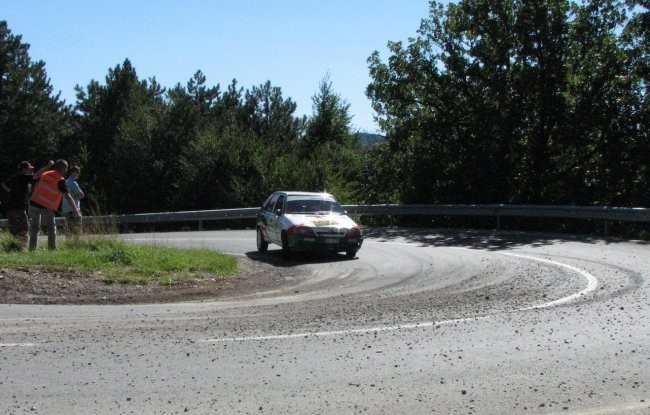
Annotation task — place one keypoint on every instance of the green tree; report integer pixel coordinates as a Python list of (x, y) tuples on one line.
[(636, 38), (330, 151), (32, 119), (330, 122), (220, 170), (231, 158), (189, 112), (598, 151), (447, 102), (516, 101), (120, 121), (270, 117), (541, 29)]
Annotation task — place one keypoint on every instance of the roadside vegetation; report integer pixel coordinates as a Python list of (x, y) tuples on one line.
[(119, 262), (490, 102)]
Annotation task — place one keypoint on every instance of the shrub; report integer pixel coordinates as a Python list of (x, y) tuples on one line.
[(9, 244)]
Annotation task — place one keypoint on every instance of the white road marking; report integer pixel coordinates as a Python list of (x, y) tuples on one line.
[(592, 285), (592, 282), (629, 409), (344, 332), (17, 344)]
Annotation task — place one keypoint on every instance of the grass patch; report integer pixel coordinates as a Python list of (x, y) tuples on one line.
[(121, 262), (8, 243)]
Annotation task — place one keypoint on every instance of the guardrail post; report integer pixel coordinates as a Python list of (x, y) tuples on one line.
[(606, 228), (200, 225), (497, 211)]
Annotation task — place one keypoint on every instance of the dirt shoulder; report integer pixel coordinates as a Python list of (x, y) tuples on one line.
[(35, 285)]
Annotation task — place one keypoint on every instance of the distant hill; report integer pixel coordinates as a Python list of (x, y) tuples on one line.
[(368, 140)]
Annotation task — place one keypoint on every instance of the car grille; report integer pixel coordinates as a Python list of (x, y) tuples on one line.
[(330, 232)]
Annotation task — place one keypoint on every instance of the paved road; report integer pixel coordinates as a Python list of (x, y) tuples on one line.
[(421, 322)]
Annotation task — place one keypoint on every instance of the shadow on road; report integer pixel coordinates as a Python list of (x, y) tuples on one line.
[(466, 238), (478, 239), (274, 257)]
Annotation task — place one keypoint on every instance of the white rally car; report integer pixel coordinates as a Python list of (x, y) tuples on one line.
[(305, 221)]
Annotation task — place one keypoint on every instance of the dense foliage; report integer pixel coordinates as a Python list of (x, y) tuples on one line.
[(520, 101), (493, 101)]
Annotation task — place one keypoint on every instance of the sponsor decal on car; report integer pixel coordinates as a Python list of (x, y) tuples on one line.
[(325, 222)]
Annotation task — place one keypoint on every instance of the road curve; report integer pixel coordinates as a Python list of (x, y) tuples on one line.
[(422, 321)]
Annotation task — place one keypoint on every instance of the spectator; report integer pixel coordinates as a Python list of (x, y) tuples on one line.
[(73, 222), (19, 187), (49, 192)]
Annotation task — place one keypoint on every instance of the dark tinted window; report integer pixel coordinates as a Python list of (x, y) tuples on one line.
[(279, 205), (270, 202), (312, 204)]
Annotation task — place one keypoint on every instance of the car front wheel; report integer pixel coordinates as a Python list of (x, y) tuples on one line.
[(262, 245), (286, 251)]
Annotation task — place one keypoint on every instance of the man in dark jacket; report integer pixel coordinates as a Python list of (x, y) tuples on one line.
[(19, 187)]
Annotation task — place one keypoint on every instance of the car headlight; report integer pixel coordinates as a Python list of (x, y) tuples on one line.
[(354, 232), (301, 230)]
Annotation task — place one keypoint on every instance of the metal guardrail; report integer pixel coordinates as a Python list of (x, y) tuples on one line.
[(187, 216), (605, 214), (614, 214)]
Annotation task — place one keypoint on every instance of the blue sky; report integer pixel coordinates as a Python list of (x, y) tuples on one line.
[(292, 43)]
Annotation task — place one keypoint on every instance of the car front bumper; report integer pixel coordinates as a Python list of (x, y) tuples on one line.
[(324, 244)]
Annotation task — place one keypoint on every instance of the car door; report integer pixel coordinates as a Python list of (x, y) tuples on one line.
[(267, 217), (275, 220)]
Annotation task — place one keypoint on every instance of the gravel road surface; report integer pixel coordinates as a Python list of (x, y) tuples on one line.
[(422, 321)]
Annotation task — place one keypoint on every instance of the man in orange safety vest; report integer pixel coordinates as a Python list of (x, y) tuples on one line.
[(48, 193)]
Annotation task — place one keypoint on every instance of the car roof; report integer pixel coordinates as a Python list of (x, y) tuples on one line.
[(298, 193)]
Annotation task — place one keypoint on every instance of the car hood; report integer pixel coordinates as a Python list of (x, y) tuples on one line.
[(322, 221)]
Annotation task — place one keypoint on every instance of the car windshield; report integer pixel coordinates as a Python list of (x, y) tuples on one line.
[(314, 205)]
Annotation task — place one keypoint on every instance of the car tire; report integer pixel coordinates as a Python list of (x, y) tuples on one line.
[(262, 245), (351, 253), (286, 251)]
